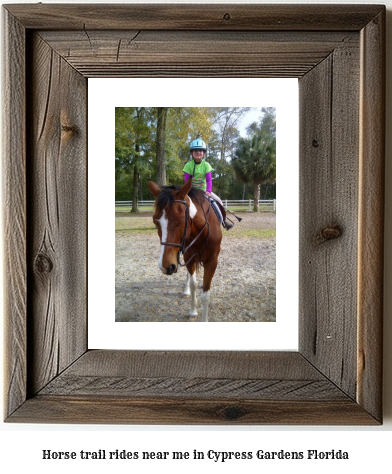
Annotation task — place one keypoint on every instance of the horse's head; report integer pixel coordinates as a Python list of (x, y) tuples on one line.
[(173, 208)]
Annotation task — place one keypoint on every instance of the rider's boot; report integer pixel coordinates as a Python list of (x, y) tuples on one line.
[(227, 225)]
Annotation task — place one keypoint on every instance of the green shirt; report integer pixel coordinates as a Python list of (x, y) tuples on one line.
[(199, 177)]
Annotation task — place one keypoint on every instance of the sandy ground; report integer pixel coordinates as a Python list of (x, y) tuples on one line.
[(243, 288)]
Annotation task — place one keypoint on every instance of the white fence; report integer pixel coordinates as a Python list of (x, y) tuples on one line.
[(244, 205)]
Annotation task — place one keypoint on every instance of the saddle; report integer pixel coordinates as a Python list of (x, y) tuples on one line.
[(218, 209)]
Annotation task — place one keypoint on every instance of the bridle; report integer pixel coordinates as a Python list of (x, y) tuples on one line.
[(181, 245)]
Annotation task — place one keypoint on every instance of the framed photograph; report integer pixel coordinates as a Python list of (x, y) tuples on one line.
[(244, 286), (337, 53)]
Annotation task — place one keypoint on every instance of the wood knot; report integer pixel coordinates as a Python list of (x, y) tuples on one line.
[(315, 143), (43, 264), (69, 128), (233, 412), (227, 16), (328, 233)]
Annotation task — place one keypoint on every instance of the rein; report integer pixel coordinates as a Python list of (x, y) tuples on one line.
[(184, 249)]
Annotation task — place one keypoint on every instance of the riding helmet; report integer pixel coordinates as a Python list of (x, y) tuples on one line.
[(198, 144)]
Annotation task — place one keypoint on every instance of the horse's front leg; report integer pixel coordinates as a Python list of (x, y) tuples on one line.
[(187, 289), (205, 299), (191, 280), (209, 271)]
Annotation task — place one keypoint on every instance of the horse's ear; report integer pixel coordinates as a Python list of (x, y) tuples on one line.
[(182, 192), (154, 188)]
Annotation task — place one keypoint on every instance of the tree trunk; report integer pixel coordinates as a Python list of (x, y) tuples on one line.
[(256, 197), (135, 204), (160, 146), (266, 191), (243, 192), (223, 153)]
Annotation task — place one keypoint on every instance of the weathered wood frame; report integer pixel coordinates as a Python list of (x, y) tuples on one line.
[(337, 52)]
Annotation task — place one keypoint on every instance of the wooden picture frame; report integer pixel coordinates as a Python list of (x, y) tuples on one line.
[(338, 54)]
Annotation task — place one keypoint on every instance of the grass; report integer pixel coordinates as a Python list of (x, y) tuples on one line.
[(138, 230), (128, 209), (135, 224), (246, 209), (145, 226), (262, 208), (257, 233)]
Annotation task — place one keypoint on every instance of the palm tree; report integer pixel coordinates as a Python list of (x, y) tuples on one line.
[(254, 161)]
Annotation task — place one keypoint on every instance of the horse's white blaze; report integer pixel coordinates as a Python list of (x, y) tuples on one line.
[(163, 222), (192, 208)]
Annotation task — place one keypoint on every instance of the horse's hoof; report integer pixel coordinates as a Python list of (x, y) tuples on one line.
[(186, 295), (193, 317)]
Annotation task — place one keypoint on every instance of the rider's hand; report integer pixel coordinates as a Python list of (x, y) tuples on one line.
[(207, 194)]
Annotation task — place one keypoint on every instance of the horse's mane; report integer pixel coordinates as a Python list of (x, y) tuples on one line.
[(166, 196)]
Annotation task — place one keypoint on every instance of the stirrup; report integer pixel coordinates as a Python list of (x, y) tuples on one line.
[(227, 224)]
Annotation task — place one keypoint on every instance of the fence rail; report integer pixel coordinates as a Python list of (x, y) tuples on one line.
[(238, 205)]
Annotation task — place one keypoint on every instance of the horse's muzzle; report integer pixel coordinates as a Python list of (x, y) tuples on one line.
[(172, 269)]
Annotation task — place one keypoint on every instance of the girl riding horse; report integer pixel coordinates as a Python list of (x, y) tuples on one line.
[(201, 173)]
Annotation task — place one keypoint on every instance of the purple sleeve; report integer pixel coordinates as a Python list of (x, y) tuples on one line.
[(186, 177), (209, 182)]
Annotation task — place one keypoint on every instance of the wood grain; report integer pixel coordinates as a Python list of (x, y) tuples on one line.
[(57, 196), (329, 200), (102, 409), (179, 374), (208, 364), (194, 53), (192, 387), (371, 216), (192, 17), (201, 387), (14, 208), (338, 54)]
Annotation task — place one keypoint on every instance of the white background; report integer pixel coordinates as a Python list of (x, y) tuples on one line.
[(369, 448), (104, 332)]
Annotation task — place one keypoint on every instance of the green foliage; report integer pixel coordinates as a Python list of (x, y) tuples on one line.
[(123, 186), (133, 141), (254, 159), (135, 148), (183, 125)]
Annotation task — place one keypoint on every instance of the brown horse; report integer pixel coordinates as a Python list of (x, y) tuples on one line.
[(187, 226)]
